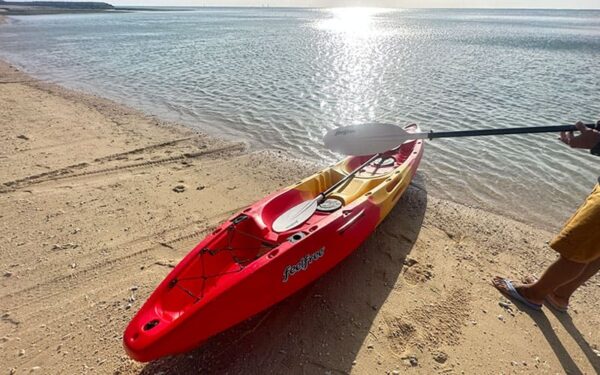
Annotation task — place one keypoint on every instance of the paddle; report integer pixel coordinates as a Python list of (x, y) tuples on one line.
[(367, 139), (303, 211)]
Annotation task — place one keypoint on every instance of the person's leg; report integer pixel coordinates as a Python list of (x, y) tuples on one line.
[(562, 294), (559, 273), (577, 244)]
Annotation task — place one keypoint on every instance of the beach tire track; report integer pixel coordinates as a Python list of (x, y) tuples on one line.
[(15, 82), (79, 307), (146, 148), (149, 243), (83, 308), (96, 267), (81, 311), (110, 157), (82, 291), (67, 172)]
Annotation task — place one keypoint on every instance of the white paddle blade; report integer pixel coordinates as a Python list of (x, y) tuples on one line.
[(367, 139), (295, 216)]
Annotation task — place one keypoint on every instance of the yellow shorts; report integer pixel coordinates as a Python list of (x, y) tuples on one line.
[(579, 240)]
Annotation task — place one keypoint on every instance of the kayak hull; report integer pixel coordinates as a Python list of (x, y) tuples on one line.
[(244, 267)]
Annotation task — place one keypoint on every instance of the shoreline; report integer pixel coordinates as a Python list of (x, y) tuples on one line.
[(93, 223), (538, 218), (253, 146), (270, 125)]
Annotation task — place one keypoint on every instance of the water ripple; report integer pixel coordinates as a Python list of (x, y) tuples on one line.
[(281, 77)]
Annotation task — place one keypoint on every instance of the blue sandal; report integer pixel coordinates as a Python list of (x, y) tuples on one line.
[(513, 294)]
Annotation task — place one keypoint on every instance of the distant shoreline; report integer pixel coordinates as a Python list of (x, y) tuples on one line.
[(9, 8), (46, 11), (36, 12)]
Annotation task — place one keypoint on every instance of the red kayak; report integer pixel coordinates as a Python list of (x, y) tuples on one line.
[(246, 266)]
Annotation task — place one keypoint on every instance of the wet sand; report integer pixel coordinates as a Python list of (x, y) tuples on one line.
[(91, 224)]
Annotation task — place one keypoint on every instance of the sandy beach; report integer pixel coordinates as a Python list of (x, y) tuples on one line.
[(99, 202)]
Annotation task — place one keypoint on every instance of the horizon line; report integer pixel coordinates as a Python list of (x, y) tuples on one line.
[(329, 7)]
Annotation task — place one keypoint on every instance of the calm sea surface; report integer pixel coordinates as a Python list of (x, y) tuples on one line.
[(281, 77)]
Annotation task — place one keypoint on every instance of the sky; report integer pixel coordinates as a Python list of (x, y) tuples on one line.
[(572, 4)]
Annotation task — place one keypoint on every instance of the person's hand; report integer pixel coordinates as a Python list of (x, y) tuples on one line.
[(587, 138)]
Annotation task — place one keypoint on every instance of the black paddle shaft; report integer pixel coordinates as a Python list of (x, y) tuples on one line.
[(524, 130)]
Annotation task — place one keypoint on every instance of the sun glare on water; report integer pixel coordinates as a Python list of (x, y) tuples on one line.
[(356, 21), (350, 40)]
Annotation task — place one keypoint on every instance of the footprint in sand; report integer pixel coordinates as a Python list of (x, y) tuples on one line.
[(430, 326), (401, 334), (416, 273)]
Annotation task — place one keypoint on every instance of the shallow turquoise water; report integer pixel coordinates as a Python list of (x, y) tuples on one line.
[(281, 77)]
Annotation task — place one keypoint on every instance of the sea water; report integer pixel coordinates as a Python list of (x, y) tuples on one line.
[(280, 78)]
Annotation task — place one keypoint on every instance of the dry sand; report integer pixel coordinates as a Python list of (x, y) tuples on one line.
[(90, 224)]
